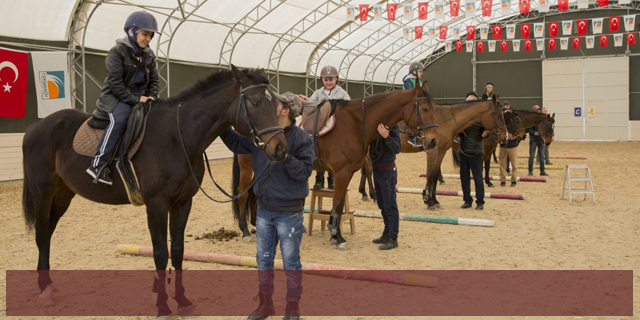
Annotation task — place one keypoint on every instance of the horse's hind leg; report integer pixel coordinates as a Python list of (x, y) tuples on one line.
[(487, 168), (157, 220), (179, 214), (363, 178)]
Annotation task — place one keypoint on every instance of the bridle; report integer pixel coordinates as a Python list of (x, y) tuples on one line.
[(420, 123), (242, 105)]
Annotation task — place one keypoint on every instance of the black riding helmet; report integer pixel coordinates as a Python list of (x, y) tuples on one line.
[(141, 20)]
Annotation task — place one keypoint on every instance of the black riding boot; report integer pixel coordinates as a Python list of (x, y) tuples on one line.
[(330, 180), (292, 312), (264, 310), (319, 180)]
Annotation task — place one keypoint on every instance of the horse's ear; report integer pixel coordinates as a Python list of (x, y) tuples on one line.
[(262, 73), (238, 74), (425, 86), (553, 115), (497, 99)]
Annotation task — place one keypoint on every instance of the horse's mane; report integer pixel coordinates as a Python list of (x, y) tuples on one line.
[(210, 84), (377, 97), (462, 102)]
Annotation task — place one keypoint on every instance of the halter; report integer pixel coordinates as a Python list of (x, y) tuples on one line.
[(242, 105), (419, 120)]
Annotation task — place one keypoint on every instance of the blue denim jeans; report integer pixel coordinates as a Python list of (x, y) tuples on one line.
[(539, 144), (288, 229)]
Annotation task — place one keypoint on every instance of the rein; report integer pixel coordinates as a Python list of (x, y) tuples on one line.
[(256, 140)]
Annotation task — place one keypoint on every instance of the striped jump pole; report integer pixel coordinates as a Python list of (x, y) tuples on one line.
[(545, 167), (426, 218), (524, 179), (507, 196), (314, 268), (560, 157)]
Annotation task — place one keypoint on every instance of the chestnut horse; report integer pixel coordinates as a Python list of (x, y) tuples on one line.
[(342, 150), (169, 164)]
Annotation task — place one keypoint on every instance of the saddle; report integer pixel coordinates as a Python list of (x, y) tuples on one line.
[(320, 118), (88, 136)]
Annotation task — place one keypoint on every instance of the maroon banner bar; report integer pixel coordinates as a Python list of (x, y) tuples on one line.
[(329, 293)]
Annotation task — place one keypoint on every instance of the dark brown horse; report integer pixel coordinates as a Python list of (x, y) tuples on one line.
[(512, 121), (165, 166), (452, 120), (343, 149)]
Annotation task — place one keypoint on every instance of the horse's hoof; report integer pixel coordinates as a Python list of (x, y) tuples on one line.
[(248, 239), (433, 207), (45, 299), (437, 205), (333, 241), (365, 199), (188, 311), (343, 246), (441, 182), (490, 185)]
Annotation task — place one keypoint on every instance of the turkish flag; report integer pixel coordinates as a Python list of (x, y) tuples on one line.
[(525, 6), (422, 10), (553, 29), (576, 42), (418, 32), (524, 30), (582, 26), (459, 45), (527, 45), (364, 12), (13, 83), (391, 11), (631, 39), (486, 7), (604, 40), (454, 7), (552, 44), (471, 32), (480, 46), (563, 5), (614, 23), (497, 31), (503, 45), (603, 3), (443, 32)]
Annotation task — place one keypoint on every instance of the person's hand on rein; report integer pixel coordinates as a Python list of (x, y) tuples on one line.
[(144, 99)]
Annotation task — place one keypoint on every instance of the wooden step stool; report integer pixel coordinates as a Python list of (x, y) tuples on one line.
[(586, 179), (324, 215)]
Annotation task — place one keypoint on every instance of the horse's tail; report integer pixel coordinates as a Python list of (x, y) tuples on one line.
[(456, 158), (28, 208), (234, 186)]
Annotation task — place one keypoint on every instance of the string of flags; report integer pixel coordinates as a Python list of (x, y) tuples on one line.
[(563, 42)]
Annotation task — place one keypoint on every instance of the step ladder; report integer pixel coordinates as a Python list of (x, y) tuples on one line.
[(586, 178)]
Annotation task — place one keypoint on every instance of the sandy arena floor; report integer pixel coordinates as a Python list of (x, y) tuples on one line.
[(541, 233)]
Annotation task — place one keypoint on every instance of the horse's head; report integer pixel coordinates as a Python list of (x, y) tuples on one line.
[(420, 117), (258, 106), (514, 124), (494, 121), (547, 128)]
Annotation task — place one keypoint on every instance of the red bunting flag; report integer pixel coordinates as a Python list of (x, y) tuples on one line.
[(443, 32), (604, 40), (553, 29), (13, 83), (391, 11), (614, 24), (631, 39), (459, 45), (525, 6), (364, 12), (503, 45), (454, 8), (497, 31), (422, 10), (563, 5), (527, 45), (524, 30), (418, 32), (471, 32), (603, 3), (582, 26), (576, 42), (552, 44), (480, 46), (486, 7)]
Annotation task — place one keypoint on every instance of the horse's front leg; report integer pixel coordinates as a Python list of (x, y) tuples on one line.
[(179, 214), (487, 167), (434, 159), (157, 218), (244, 204), (341, 182)]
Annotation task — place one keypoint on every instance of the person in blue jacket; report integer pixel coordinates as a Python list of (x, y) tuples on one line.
[(281, 192), (536, 142), (385, 177)]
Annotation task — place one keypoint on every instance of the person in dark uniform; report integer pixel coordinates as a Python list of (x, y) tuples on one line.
[(385, 177), (471, 160)]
